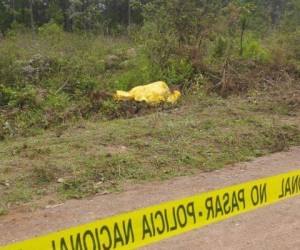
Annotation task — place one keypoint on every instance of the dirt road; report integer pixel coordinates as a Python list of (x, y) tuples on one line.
[(274, 227)]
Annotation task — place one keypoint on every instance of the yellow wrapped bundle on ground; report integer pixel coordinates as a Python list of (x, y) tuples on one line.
[(153, 93)]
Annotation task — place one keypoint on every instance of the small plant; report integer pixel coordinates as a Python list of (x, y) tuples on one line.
[(220, 47), (75, 188), (44, 174), (51, 31), (255, 51), (178, 71), (3, 211)]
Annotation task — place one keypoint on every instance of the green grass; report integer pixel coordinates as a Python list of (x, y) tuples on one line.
[(57, 78), (203, 133)]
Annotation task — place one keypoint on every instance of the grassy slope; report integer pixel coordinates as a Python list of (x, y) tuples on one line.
[(60, 76), (203, 133)]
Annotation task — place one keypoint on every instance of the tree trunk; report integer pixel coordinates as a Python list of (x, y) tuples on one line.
[(31, 18), (243, 28), (14, 10), (129, 17)]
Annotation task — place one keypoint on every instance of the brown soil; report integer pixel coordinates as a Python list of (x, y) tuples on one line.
[(274, 227)]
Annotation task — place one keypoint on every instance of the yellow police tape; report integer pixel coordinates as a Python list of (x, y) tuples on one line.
[(141, 227)]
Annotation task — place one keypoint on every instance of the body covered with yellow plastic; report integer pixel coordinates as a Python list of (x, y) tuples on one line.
[(154, 93)]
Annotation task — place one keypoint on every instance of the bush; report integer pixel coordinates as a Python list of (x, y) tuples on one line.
[(220, 47), (50, 30), (178, 71), (292, 44), (255, 51), (16, 28), (56, 101), (140, 71), (6, 94), (25, 97)]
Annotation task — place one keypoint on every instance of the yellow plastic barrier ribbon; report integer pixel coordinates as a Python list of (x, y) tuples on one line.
[(148, 225)]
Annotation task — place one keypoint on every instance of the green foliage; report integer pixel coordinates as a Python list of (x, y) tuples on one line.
[(292, 42), (44, 174), (6, 95), (169, 27), (49, 77), (54, 76), (96, 157), (220, 46), (15, 29), (57, 101), (50, 29), (178, 71), (57, 77), (139, 71), (55, 13), (291, 18), (254, 50), (25, 97)]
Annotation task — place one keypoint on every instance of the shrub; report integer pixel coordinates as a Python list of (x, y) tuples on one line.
[(24, 97), (255, 51), (178, 71), (50, 30), (220, 46), (16, 28), (292, 44)]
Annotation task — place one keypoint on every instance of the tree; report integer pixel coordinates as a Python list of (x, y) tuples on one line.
[(6, 15)]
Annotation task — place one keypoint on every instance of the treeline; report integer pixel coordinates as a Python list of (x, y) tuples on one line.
[(96, 15), (114, 16)]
